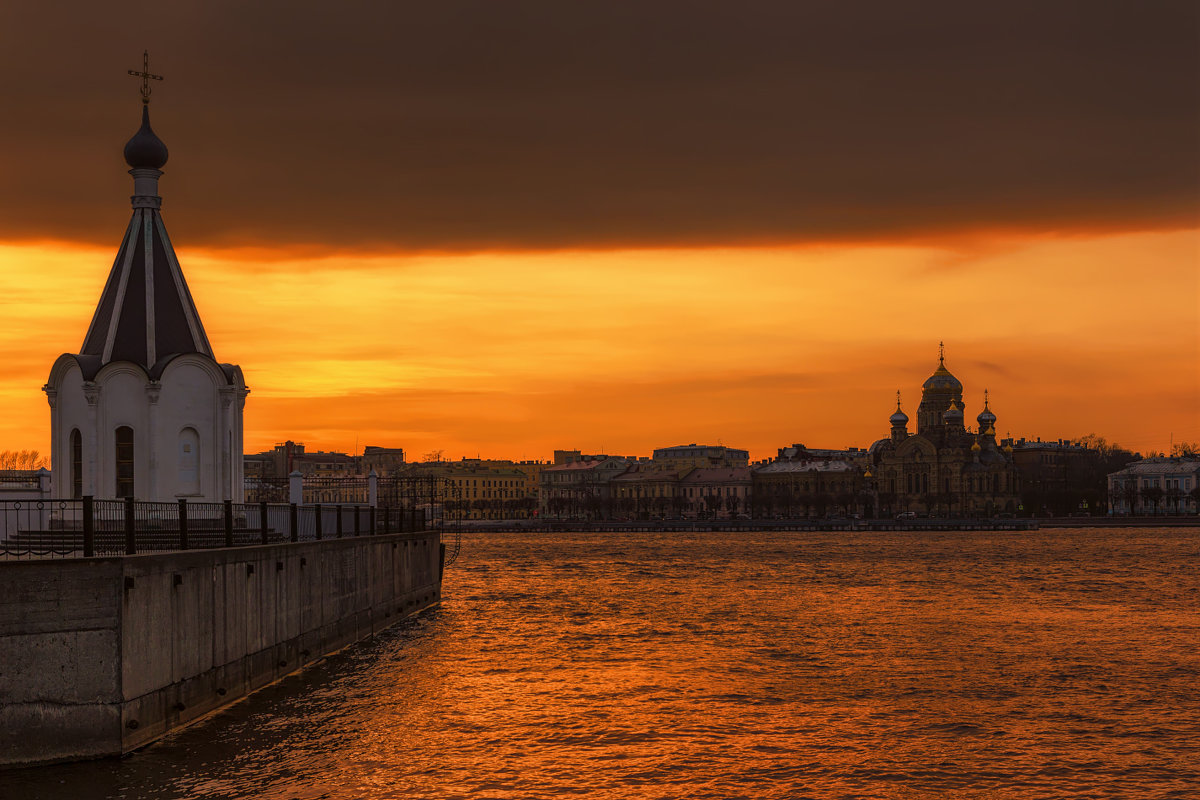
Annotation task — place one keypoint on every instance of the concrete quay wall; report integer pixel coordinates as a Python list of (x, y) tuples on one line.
[(100, 656)]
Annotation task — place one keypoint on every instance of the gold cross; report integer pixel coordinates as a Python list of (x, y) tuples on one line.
[(146, 76)]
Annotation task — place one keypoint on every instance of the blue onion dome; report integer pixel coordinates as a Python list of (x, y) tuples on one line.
[(986, 419), (899, 419), (145, 150)]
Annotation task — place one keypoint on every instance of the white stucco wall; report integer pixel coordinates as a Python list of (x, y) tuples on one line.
[(192, 395)]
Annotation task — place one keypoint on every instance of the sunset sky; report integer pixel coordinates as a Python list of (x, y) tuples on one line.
[(500, 228)]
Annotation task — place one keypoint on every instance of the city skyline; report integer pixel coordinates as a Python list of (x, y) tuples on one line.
[(412, 251)]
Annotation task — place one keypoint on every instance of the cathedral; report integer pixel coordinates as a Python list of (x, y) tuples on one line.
[(944, 469), (144, 409)]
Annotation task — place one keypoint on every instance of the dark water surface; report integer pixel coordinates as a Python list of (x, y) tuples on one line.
[(1059, 663)]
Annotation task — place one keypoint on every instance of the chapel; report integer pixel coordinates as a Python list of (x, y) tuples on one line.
[(144, 409)]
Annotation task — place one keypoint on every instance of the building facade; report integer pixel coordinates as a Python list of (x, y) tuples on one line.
[(687, 456), (810, 488), (579, 489), (1155, 486)]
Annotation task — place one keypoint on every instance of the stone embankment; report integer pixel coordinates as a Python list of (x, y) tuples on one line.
[(103, 655)]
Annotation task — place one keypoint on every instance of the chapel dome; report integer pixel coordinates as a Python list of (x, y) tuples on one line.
[(145, 150)]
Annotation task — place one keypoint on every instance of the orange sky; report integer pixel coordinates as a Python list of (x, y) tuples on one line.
[(515, 354)]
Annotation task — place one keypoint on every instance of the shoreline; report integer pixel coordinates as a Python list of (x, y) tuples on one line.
[(803, 524)]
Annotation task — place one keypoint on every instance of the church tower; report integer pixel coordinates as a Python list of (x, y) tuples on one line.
[(940, 392), (144, 410)]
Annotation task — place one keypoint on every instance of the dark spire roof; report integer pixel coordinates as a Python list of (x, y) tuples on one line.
[(146, 312), (145, 150)]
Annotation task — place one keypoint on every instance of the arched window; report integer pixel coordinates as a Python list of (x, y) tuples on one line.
[(189, 461), (124, 459), (76, 464)]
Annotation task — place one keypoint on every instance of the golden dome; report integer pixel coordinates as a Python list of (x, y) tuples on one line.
[(975, 448), (867, 474)]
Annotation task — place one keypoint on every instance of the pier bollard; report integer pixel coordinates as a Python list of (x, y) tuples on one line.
[(183, 524), (89, 526)]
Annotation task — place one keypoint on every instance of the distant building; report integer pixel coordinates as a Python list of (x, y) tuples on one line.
[(482, 488), (816, 488), (699, 455), (1060, 477), (381, 459), (645, 490), (944, 469), (24, 484), (580, 489), (719, 492), (798, 452), (1155, 486)]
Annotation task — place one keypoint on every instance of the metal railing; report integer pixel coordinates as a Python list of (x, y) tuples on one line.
[(89, 527)]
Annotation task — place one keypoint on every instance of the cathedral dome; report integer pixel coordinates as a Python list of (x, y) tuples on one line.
[(953, 414), (975, 448), (145, 150), (942, 380)]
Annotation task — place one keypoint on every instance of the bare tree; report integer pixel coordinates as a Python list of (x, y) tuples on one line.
[(22, 459)]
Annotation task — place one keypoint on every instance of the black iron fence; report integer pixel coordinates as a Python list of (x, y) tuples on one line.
[(88, 527)]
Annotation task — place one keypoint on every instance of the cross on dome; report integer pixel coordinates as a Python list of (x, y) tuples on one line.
[(146, 75)]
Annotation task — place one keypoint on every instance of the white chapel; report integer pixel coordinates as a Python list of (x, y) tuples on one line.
[(144, 409)]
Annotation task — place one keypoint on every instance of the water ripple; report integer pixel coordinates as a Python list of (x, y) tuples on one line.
[(1061, 664)]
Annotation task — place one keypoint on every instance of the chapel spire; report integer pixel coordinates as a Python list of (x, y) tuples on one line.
[(146, 312)]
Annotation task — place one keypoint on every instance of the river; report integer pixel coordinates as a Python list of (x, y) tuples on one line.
[(1047, 664)]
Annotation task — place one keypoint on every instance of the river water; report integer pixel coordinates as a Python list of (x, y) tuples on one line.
[(1051, 664)]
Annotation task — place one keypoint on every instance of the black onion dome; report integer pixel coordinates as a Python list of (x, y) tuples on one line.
[(145, 150)]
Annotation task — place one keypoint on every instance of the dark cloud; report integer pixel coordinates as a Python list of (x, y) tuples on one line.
[(561, 124)]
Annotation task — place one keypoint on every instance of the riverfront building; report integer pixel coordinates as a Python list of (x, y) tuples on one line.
[(810, 488), (944, 468), (699, 455), (144, 409), (481, 488), (1155, 486)]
